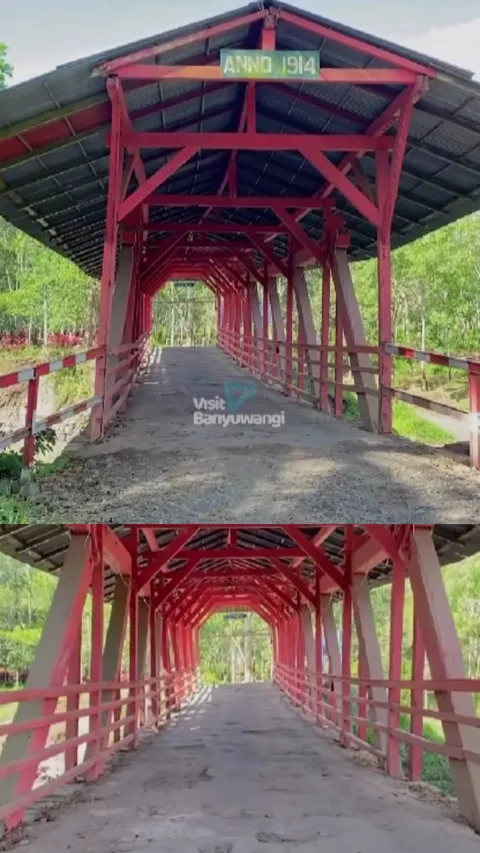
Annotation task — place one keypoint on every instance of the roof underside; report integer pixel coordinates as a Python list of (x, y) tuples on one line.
[(44, 546), (53, 174)]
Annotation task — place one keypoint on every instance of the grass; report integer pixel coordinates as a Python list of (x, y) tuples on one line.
[(436, 768), (406, 422), (7, 711), (74, 384)]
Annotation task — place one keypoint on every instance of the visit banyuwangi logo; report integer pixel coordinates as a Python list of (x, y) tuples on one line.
[(225, 411)]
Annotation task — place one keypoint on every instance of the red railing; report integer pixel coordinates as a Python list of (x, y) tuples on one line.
[(124, 364), (114, 712), (339, 703), (308, 372)]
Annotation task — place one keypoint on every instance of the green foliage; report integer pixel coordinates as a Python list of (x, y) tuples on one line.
[(6, 70), (14, 509), (184, 316), (41, 291), (74, 384), (11, 460), (407, 422), (10, 465), (227, 645), (45, 441)]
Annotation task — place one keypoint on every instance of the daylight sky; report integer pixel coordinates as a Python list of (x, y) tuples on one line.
[(48, 33)]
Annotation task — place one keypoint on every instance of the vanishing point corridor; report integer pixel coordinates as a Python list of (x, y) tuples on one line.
[(240, 771)]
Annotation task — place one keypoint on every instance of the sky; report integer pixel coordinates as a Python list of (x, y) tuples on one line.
[(48, 33)]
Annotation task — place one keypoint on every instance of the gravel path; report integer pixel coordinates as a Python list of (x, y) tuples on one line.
[(156, 466), (241, 772)]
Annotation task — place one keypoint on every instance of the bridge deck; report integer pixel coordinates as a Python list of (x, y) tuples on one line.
[(242, 772), (156, 466)]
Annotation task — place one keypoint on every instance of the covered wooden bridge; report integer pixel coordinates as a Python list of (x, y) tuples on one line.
[(312, 586), (243, 151)]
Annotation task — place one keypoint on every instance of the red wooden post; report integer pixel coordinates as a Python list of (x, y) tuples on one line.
[(96, 654), (153, 662), (415, 758), (318, 648), (133, 705), (474, 399), (347, 638), (29, 443), (395, 670), (289, 328), (385, 361), (300, 660), (109, 251), (338, 361), (267, 367), (325, 339)]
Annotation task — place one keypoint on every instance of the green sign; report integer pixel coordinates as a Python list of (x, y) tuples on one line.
[(271, 64)]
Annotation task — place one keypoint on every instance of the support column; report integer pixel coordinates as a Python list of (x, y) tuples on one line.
[(394, 766), (333, 652), (446, 662), (112, 650), (309, 640), (120, 299), (115, 169), (143, 621), (325, 340), (48, 669), (289, 329), (132, 707), (74, 679), (257, 353), (306, 323), (355, 336), (370, 652), (318, 644), (385, 361), (415, 755), (267, 361), (278, 326), (96, 651)]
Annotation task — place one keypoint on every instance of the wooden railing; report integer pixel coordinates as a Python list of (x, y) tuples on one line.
[(124, 364), (113, 713), (316, 373), (341, 703)]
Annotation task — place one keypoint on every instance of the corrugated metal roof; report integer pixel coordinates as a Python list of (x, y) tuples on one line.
[(54, 167), (44, 545)]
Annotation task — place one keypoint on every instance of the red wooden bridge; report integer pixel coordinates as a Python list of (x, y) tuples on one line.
[(202, 761), (243, 151)]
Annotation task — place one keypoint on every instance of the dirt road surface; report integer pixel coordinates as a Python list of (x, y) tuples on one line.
[(242, 772), (157, 466)]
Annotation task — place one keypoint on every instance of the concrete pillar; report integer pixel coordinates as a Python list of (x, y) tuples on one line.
[(355, 336), (113, 648), (257, 327), (143, 623), (278, 323), (306, 619), (445, 658), (49, 667), (370, 652), (333, 651), (120, 298), (305, 315)]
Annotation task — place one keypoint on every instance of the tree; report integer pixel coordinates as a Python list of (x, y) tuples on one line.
[(6, 70)]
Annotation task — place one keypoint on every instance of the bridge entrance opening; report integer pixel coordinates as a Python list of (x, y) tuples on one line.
[(172, 164), (348, 627)]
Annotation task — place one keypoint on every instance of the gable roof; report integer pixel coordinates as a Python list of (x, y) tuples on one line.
[(54, 156)]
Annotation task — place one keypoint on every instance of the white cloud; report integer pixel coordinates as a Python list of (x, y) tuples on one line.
[(457, 44)]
